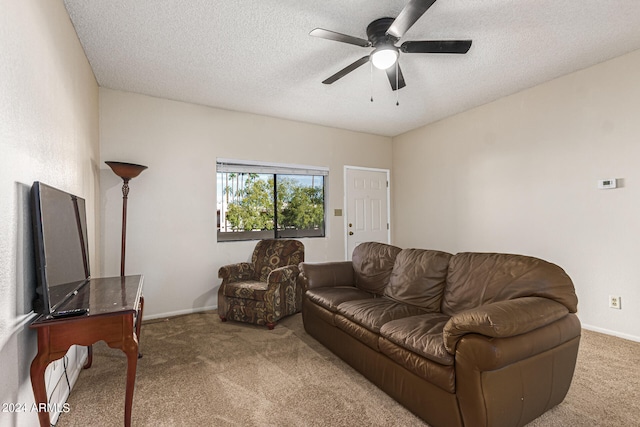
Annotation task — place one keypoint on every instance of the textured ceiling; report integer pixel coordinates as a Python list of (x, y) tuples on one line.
[(258, 57)]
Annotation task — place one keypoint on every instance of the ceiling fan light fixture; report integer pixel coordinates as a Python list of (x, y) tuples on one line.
[(384, 57), (382, 36)]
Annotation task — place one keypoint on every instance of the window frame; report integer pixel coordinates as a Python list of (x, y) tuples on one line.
[(274, 169)]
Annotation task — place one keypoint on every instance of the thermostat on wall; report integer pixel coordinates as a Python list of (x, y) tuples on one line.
[(604, 184)]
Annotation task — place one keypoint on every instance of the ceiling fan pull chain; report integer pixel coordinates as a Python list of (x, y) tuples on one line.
[(371, 74), (397, 88)]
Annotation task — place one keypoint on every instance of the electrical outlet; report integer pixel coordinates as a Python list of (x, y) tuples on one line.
[(615, 302)]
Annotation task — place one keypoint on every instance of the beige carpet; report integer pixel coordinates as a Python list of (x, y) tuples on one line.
[(197, 371)]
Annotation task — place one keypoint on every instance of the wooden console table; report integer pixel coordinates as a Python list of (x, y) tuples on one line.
[(115, 315)]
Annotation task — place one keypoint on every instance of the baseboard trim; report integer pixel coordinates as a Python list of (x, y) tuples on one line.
[(178, 313), (61, 390), (610, 332)]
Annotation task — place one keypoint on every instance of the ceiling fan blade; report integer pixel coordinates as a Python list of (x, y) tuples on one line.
[(346, 70), (391, 73), (408, 16), (339, 37), (439, 46)]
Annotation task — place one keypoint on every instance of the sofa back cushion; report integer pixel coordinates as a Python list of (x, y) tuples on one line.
[(372, 265), (475, 279), (418, 278)]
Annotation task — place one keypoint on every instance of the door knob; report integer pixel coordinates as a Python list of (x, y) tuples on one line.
[(351, 233), (350, 225)]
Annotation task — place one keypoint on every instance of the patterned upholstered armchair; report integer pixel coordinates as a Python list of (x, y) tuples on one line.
[(264, 290)]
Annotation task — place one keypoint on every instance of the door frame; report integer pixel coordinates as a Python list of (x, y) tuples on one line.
[(346, 204)]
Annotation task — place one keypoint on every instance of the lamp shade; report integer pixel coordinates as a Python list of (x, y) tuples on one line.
[(126, 170)]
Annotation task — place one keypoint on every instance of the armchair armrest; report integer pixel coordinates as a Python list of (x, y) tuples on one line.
[(288, 273), (283, 295), (326, 274), (502, 319), (236, 272)]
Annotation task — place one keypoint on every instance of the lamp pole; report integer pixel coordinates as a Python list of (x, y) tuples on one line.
[(126, 171)]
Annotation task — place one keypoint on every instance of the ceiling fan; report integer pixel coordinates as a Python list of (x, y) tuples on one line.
[(383, 34)]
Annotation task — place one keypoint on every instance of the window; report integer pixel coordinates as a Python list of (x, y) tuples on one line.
[(263, 201)]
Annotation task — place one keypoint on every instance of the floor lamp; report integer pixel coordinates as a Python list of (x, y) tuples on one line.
[(126, 171)]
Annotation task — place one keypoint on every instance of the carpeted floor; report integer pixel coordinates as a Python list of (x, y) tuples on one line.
[(198, 371)]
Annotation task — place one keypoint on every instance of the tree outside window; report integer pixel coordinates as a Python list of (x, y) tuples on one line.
[(259, 205)]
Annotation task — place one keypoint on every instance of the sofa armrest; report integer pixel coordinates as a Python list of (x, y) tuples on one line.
[(502, 319), (500, 379), (326, 274), (480, 353), (236, 272)]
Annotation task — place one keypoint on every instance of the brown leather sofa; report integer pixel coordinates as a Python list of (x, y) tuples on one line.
[(472, 339)]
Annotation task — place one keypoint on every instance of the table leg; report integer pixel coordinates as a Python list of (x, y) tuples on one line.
[(89, 361), (130, 348), (139, 324)]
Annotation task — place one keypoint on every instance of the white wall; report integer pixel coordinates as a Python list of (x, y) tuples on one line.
[(49, 133), (519, 175), (171, 223)]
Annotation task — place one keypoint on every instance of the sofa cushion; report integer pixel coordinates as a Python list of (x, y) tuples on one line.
[(357, 331), (316, 311), (420, 334), (331, 297), (418, 278), (372, 313), (475, 279), (443, 376), (372, 265)]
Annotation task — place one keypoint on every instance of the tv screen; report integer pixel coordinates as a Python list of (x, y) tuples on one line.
[(62, 255)]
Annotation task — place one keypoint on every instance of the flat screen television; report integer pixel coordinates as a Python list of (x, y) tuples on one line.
[(61, 247)]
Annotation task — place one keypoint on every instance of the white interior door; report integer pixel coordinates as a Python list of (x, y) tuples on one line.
[(367, 206)]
